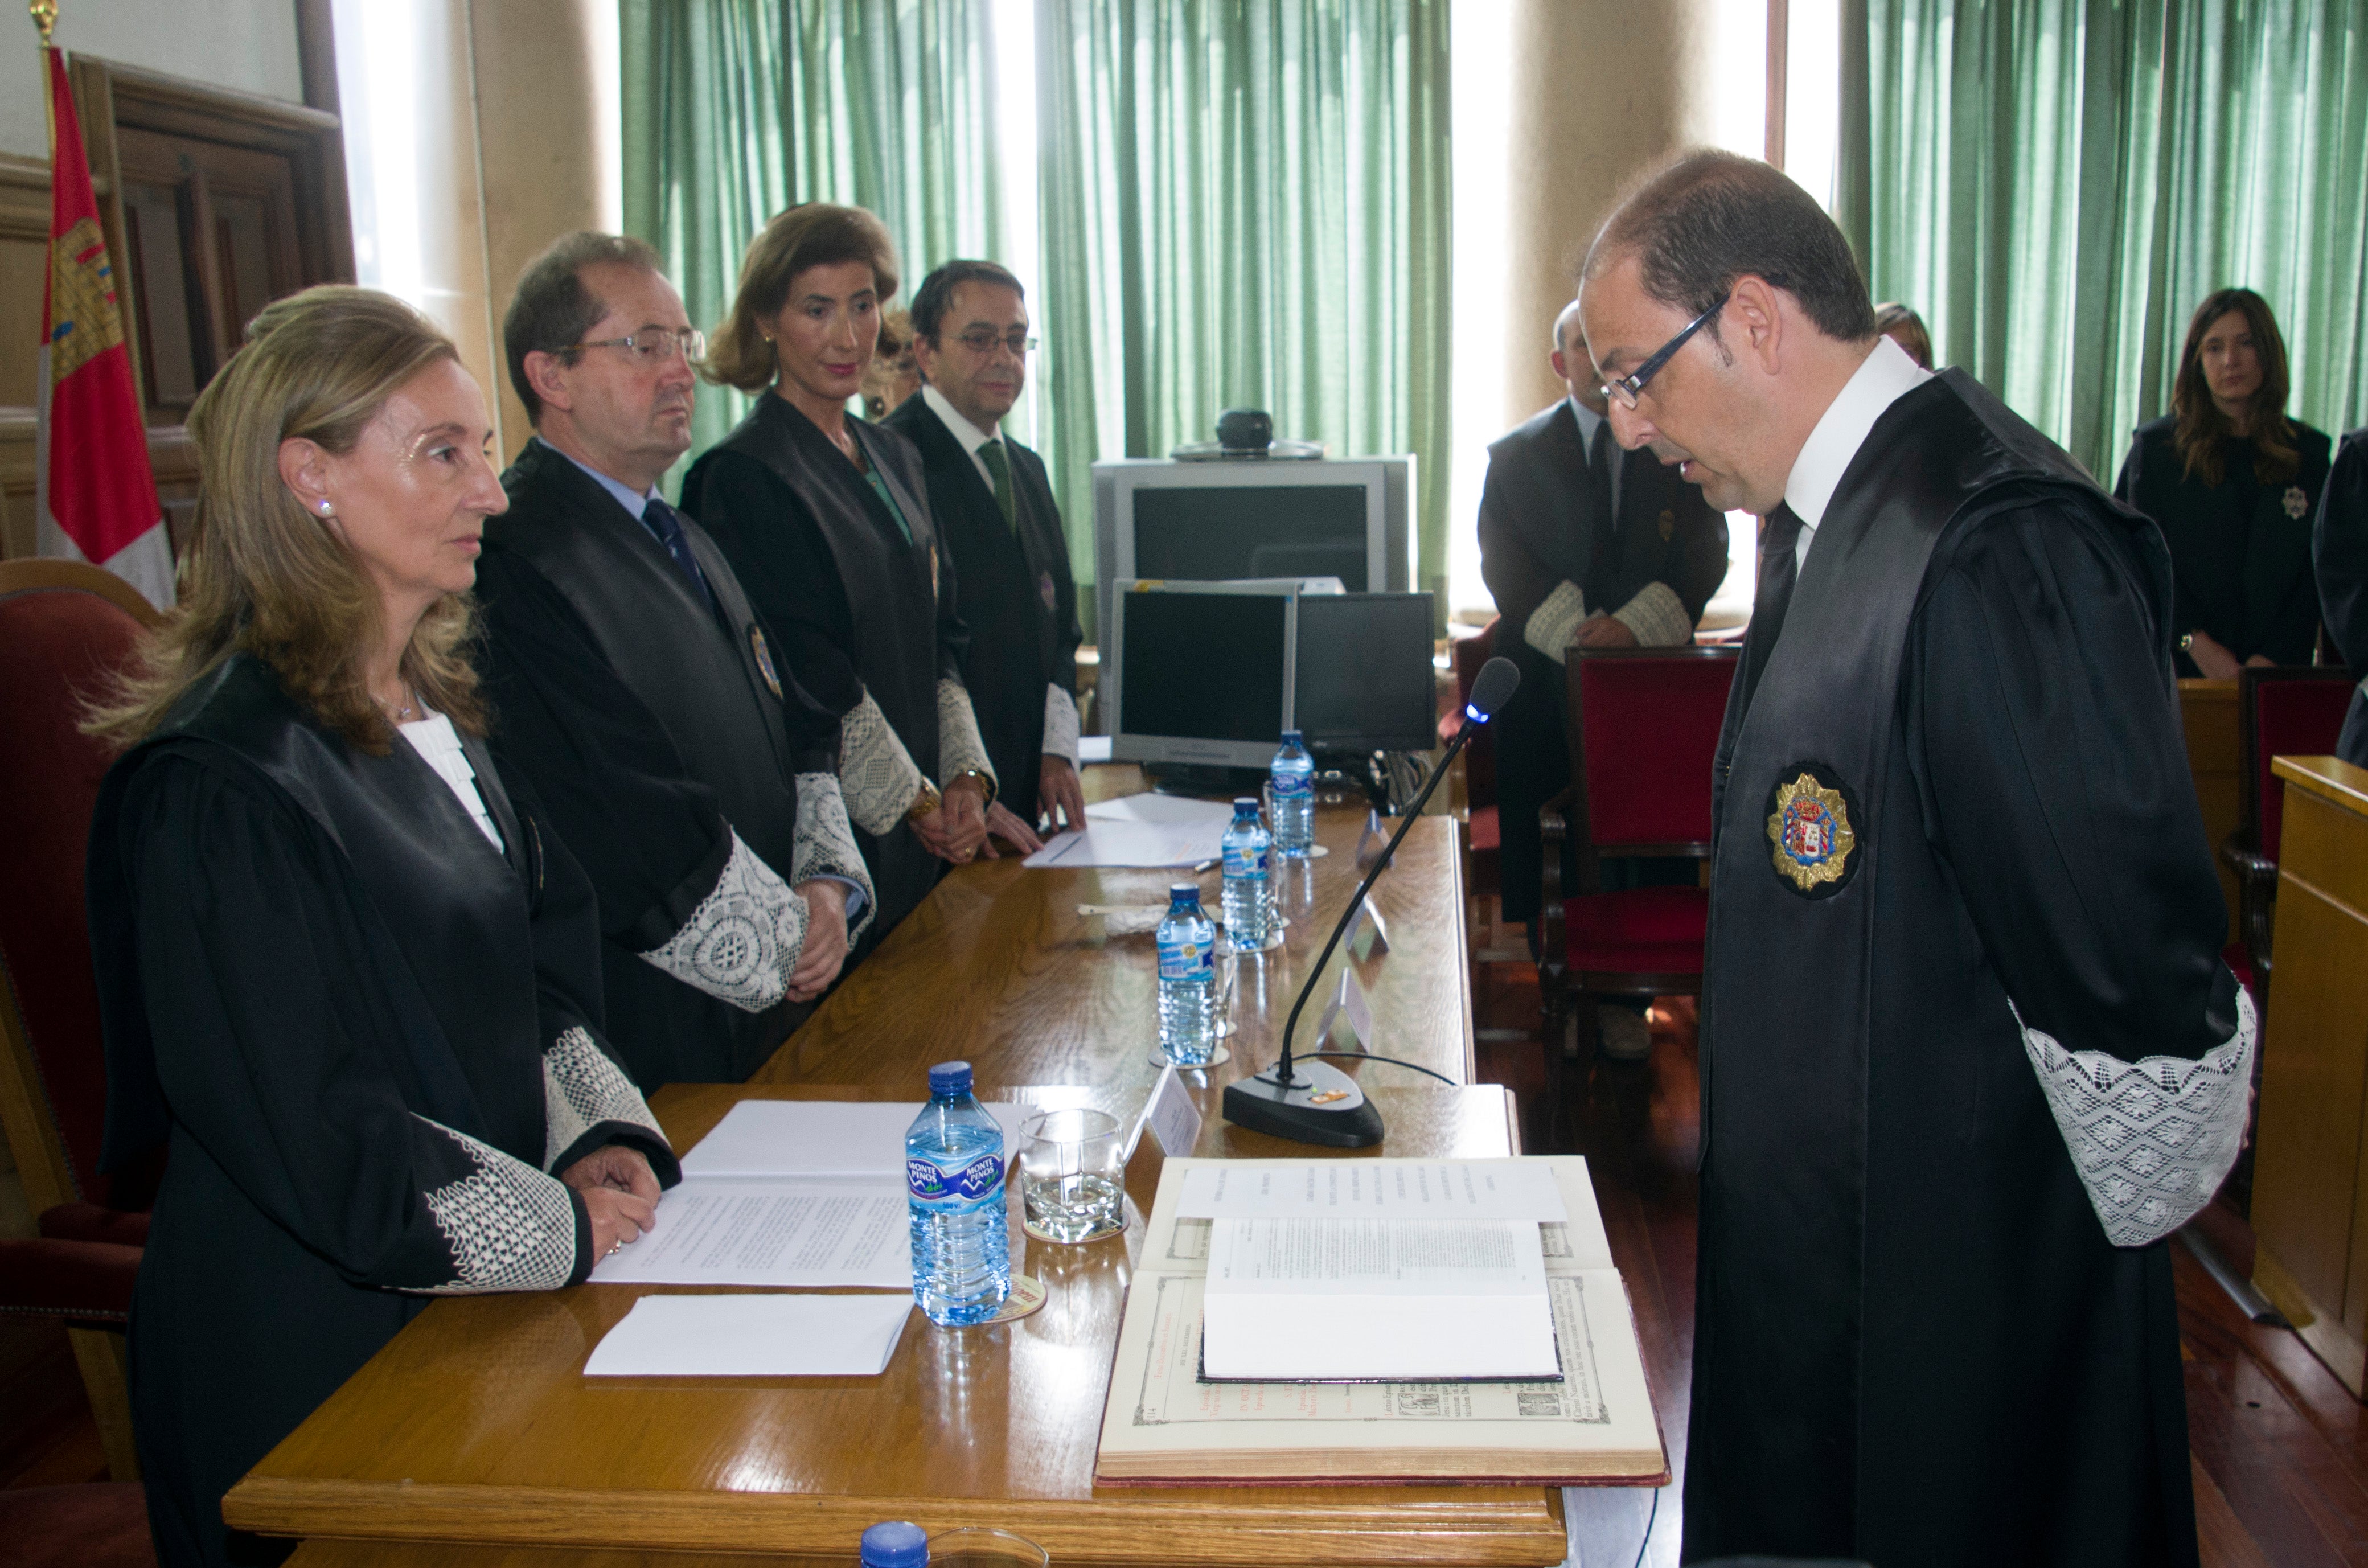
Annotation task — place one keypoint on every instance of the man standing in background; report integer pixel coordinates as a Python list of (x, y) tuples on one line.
[(1011, 561), (1581, 541)]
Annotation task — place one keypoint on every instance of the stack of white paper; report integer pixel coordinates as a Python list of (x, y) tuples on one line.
[(752, 1336)]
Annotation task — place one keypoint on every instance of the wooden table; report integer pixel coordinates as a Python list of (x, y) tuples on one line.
[(475, 1425), (2309, 1213)]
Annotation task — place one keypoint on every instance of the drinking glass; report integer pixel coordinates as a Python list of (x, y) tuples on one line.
[(1070, 1179), (985, 1548)]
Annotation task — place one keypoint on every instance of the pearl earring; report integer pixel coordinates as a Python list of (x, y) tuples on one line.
[(326, 511)]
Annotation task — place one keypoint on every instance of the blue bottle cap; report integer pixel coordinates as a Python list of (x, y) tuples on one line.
[(948, 1079), (1184, 892), (1292, 738), (1245, 806), (897, 1544)]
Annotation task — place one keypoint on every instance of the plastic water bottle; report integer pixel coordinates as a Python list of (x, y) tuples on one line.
[(1248, 876), (1187, 979), (954, 1184), (1291, 780), (895, 1545)]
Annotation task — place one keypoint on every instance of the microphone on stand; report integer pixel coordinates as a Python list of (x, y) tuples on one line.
[(1315, 1102)]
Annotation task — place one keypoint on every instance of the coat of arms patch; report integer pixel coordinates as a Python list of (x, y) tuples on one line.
[(1812, 835)]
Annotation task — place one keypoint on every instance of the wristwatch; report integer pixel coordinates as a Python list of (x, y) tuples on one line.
[(986, 782), (927, 801)]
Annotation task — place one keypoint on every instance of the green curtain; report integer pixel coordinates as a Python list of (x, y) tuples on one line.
[(736, 108), (2056, 184), (1244, 203)]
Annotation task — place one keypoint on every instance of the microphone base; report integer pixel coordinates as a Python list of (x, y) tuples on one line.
[(1291, 1111)]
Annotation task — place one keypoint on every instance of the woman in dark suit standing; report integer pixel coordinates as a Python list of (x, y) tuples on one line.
[(826, 519), (2234, 483)]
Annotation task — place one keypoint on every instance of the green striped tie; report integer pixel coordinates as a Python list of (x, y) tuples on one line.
[(999, 463)]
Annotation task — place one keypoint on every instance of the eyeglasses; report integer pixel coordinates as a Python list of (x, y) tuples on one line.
[(984, 340), (1623, 391), (656, 345)]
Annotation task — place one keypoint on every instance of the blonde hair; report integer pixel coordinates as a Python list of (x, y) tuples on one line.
[(815, 234), (264, 576)]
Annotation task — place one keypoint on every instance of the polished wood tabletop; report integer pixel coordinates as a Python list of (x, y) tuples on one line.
[(476, 1425)]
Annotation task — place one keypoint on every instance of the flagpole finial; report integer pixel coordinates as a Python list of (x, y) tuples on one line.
[(45, 17)]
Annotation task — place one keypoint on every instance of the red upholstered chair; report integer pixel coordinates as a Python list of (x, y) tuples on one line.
[(2287, 711), (65, 629), (99, 1525), (1644, 739)]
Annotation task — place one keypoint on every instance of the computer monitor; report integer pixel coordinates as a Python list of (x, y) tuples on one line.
[(1235, 518), (1202, 673), (1364, 681)]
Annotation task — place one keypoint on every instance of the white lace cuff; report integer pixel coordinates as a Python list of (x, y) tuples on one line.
[(2152, 1139), (1550, 625), (825, 847), (581, 1089), (1658, 617), (1060, 723), (876, 772), (510, 1226), (960, 749), (742, 942)]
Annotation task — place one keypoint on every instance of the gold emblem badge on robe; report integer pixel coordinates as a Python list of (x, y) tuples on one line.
[(1810, 836)]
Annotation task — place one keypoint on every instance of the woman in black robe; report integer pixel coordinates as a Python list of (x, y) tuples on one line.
[(349, 978), (826, 519), (2233, 484)]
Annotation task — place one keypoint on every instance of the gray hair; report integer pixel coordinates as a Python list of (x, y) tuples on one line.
[(554, 308)]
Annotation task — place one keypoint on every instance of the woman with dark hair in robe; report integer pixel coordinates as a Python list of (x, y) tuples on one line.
[(349, 977), (2234, 484), (826, 519)]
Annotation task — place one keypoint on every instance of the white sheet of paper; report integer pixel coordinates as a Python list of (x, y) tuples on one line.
[(1400, 1189), (821, 1138), (1105, 843), (1166, 810), (1093, 748), (752, 1336), (1313, 1255), (759, 1230), (1172, 1115)]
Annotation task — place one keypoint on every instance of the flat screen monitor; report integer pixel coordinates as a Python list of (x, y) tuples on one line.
[(1203, 676), (1364, 681)]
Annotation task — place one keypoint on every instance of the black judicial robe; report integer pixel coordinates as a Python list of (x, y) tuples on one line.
[(1016, 595), (2339, 547), (364, 1035), (648, 725), (858, 608), (1914, 1344), (1543, 523), (2240, 550)]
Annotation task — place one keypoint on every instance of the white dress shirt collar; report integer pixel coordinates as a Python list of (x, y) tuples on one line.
[(1886, 376), (971, 437), (636, 505)]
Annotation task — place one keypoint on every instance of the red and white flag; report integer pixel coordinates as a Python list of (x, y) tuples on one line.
[(94, 493)]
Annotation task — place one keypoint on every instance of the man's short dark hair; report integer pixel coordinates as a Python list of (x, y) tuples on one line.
[(937, 291), (1706, 218), (554, 308)]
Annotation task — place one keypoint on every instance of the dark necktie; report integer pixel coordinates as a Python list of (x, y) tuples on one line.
[(1778, 566), (999, 463), (1599, 490), (667, 524)]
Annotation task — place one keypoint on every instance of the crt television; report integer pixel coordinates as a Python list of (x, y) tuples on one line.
[(1247, 517)]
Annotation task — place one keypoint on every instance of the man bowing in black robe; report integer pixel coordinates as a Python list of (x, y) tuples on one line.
[(1969, 1054), (684, 766), (995, 506)]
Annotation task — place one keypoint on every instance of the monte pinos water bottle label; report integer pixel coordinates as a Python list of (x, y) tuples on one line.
[(1244, 860), (1182, 958), (1289, 784), (933, 1183)]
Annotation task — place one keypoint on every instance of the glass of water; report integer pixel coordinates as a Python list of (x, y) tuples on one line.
[(1070, 1179), (985, 1548)]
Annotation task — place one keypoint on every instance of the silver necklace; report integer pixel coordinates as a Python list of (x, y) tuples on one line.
[(403, 715)]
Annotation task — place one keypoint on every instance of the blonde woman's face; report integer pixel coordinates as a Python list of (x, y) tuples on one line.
[(824, 331), (412, 498)]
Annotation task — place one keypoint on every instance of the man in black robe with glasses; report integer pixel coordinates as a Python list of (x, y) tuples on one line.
[(1969, 1054)]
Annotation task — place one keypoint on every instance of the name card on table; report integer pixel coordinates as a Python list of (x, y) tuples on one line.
[(1349, 1000)]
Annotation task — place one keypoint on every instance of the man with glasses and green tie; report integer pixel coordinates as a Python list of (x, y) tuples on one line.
[(1581, 542), (995, 508), (1969, 1054), (636, 690)]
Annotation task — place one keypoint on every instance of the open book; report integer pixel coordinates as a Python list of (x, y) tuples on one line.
[(1166, 1421)]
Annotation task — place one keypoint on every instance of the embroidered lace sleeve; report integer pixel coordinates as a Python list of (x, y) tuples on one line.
[(1550, 625), (1658, 617), (587, 1101), (743, 941), (825, 847), (2152, 1139), (875, 769), (960, 749), (1061, 725), (509, 1226)]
